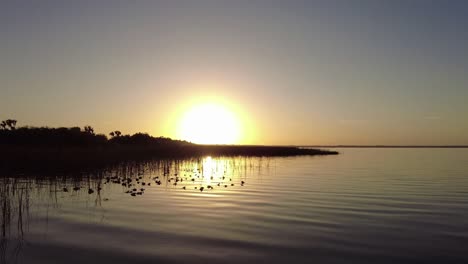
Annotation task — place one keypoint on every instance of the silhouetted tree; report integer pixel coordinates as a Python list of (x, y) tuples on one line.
[(89, 130), (8, 124), (11, 135), (12, 123), (115, 133)]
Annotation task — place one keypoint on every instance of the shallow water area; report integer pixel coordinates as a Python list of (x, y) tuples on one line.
[(362, 206)]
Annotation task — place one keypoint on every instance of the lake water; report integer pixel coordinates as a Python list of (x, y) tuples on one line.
[(362, 206)]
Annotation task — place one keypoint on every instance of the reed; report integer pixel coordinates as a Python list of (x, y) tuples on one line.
[(37, 149)]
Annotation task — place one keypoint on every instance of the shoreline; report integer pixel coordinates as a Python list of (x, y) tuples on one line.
[(43, 158), (384, 146)]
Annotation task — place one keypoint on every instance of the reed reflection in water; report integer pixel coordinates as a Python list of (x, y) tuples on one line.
[(42, 199), (363, 206)]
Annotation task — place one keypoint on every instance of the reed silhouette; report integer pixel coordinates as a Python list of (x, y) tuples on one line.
[(17, 193), (39, 148)]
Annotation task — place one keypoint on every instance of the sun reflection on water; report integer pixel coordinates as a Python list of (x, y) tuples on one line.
[(122, 187)]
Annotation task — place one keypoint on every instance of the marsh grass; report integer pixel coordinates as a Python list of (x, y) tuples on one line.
[(43, 191), (37, 159), (32, 149)]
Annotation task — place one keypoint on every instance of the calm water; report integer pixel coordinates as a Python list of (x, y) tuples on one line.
[(363, 206)]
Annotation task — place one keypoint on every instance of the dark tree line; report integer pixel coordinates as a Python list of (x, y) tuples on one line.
[(73, 136), (75, 148), (9, 124)]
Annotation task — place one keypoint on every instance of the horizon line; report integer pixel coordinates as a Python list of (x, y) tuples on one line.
[(343, 146), (384, 146)]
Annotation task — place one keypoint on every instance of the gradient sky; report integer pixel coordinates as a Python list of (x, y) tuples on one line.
[(302, 72)]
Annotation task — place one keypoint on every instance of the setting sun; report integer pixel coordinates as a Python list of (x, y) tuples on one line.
[(210, 123)]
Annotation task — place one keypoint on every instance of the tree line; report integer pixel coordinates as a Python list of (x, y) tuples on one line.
[(73, 136)]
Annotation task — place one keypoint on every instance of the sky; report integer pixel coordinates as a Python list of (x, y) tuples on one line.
[(293, 72)]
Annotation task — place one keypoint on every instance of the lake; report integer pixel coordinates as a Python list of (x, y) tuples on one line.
[(362, 206)]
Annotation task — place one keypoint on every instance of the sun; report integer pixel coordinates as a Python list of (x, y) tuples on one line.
[(209, 123)]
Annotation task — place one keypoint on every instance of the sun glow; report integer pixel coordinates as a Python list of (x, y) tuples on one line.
[(210, 123)]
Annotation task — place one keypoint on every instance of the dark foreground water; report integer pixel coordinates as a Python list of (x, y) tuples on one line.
[(363, 206)]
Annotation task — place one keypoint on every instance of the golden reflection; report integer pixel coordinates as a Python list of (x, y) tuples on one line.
[(208, 169), (210, 172)]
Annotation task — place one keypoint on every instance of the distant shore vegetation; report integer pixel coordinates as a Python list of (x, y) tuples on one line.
[(45, 147)]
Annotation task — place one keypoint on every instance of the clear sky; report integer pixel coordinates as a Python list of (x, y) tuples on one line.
[(293, 72)]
